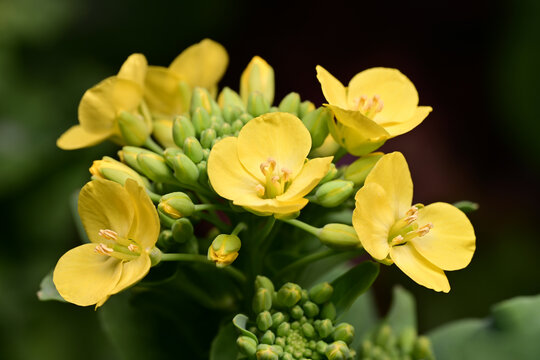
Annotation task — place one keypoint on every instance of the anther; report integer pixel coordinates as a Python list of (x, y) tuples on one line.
[(133, 248), (108, 234), (398, 240), (260, 190), (286, 174), (424, 229), (103, 249)]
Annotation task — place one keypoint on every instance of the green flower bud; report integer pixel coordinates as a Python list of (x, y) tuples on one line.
[(185, 169), (422, 349), (383, 335), (308, 330), (406, 340), (310, 309), (224, 250), (321, 347), (289, 294), (237, 125), (268, 337), (287, 356), (207, 137), (305, 108), (325, 328), (162, 131), (295, 325), (224, 129), (257, 104), (155, 256), (316, 122), (206, 154), (247, 345), (201, 120), (231, 113), (266, 352), (245, 117), (339, 236), (176, 205), (133, 128), (262, 301), (229, 98), (328, 311), (201, 98), (128, 155), (182, 129), (264, 282), (344, 332), (466, 206), (321, 293), (155, 167), (182, 230), (203, 173), (333, 193), (111, 169), (280, 341), (338, 350), (193, 149), (330, 175), (278, 318), (297, 312), (165, 240), (257, 77), (290, 103), (216, 122), (283, 329), (305, 296), (264, 320), (359, 169)]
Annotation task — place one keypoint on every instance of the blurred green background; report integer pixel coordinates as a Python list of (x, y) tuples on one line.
[(476, 63)]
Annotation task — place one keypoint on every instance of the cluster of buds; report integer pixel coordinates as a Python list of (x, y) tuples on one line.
[(294, 323), (385, 344)]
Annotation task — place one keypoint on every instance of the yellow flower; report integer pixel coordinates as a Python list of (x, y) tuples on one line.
[(421, 241), (168, 90), (378, 104), (101, 107), (111, 169), (123, 226), (265, 169)]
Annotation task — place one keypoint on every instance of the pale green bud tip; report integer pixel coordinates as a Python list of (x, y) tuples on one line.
[(264, 282), (185, 169), (247, 345), (155, 256), (224, 249), (360, 169), (155, 167), (182, 230), (339, 236), (264, 320), (290, 103), (268, 338), (262, 301), (257, 104), (267, 352), (176, 205), (344, 332), (324, 328), (338, 350), (258, 77), (201, 98), (329, 311), (289, 294), (310, 309), (133, 128), (333, 193), (321, 293), (193, 149), (182, 129)]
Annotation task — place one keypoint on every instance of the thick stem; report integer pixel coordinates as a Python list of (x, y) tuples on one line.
[(152, 145), (196, 258), (156, 198), (306, 260), (302, 225)]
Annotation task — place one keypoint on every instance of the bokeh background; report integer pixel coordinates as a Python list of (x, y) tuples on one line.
[(475, 62)]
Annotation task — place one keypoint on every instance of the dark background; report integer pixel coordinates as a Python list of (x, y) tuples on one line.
[(476, 63)]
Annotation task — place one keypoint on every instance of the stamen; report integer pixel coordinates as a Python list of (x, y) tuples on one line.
[(103, 249), (133, 248), (108, 234), (398, 240), (424, 229), (260, 190), (286, 174), (369, 107)]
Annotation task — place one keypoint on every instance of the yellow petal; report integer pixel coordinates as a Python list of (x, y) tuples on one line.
[(392, 173), (84, 277), (145, 226), (418, 268), (312, 172), (271, 206), (396, 91), (134, 69), (101, 104), (132, 272), (104, 204), (398, 128), (280, 136), (162, 91), (450, 244), (76, 137), (333, 90), (202, 64), (227, 175), (372, 219)]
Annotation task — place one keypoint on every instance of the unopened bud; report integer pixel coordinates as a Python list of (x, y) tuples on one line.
[(245, 117), (155, 167), (407, 339), (264, 282), (338, 350), (257, 104), (266, 352), (257, 77), (360, 169), (182, 129), (207, 137), (466, 206), (321, 293), (165, 240), (268, 338), (339, 236), (133, 128), (110, 169), (333, 193), (278, 318), (310, 309), (230, 99), (328, 311), (247, 345), (224, 129), (201, 120), (325, 328), (330, 175), (344, 332), (184, 168), (321, 346), (305, 108), (289, 295), (193, 149), (290, 103), (264, 320), (329, 147), (224, 249), (203, 173), (297, 312), (176, 205), (162, 131), (262, 301), (422, 349), (283, 329), (128, 155), (308, 330), (182, 230), (237, 125), (200, 98), (316, 123)]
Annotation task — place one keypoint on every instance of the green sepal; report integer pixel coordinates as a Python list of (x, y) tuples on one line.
[(240, 322), (47, 290)]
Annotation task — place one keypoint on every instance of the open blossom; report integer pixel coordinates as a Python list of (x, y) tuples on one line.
[(379, 104), (421, 241), (123, 226), (265, 169)]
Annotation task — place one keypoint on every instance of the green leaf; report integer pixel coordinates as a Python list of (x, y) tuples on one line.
[(511, 332), (47, 290), (402, 314), (352, 284), (224, 344), (240, 321), (363, 316)]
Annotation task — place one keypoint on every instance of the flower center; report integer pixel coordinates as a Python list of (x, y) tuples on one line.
[(277, 180), (406, 228), (368, 107), (117, 246)]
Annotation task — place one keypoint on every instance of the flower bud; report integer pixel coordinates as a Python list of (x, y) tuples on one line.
[(184, 168), (229, 99), (128, 155), (344, 332), (224, 129), (283, 329), (247, 345), (290, 103), (182, 230), (407, 339), (324, 328), (297, 312), (176, 205), (203, 172), (266, 352), (162, 131), (257, 77), (110, 169), (289, 295), (237, 125), (155, 167), (305, 108), (264, 282), (257, 104), (330, 175), (262, 301), (193, 149), (338, 350), (316, 123), (155, 256), (329, 147), (321, 346), (133, 128), (245, 117), (268, 338), (207, 137), (310, 309), (333, 193), (328, 311), (224, 250), (201, 98), (264, 320), (383, 335), (321, 293), (308, 330), (339, 236), (200, 120), (278, 318), (165, 240), (422, 349), (182, 129), (359, 169)]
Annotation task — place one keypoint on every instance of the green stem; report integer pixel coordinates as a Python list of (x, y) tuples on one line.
[(257, 260), (239, 227), (306, 260), (302, 225), (201, 207), (152, 145), (156, 198), (196, 258)]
